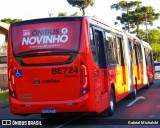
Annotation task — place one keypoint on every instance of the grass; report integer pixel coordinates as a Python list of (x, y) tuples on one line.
[(4, 96)]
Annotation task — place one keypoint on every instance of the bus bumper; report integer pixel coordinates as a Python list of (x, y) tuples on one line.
[(78, 105)]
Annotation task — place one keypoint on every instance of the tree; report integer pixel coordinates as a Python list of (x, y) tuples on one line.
[(74, 14), (154, 39), (9, 20), (62, 14), (82, 4), (154, 36), (142, 35), (143, 15), (65, 14), (125, 6)]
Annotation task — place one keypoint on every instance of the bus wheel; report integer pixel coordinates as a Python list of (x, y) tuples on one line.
[(134, 93), (151, 83), (112, 103), (147, 85)]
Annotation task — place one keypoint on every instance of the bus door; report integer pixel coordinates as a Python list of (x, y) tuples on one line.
[(115, 62), (99, 66), (133, 63), (100, 58), (120, 69), (150, 65), (139, 62)]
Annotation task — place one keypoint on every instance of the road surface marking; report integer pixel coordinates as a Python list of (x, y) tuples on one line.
[(71, 120), (137, 98), (152, 116)]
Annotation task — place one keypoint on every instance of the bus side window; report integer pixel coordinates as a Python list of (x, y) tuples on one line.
[(97, 46), (120, 51), (140, 55), (136, 54), (111, 49), (132, 52), (93, 47), (149, 58), (100, 48)]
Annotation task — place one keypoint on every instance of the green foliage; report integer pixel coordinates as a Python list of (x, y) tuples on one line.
[(74, 14), (135, 14), (81, 4), (4, 96), (154, 36), (9, 20), (154, 40), (125, 17), (62, 14), (65, 14), (142, 35), (125, 5), (143, 15), (156, 50)]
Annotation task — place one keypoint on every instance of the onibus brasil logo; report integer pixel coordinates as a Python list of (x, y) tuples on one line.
[(44, 36)]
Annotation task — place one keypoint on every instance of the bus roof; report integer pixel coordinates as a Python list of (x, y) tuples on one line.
[(92, 19), (145, 44), (47, 20)]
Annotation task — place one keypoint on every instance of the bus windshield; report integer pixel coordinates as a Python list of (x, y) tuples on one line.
[(49, 36)]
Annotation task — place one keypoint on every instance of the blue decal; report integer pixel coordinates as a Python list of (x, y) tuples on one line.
[(18, 73)]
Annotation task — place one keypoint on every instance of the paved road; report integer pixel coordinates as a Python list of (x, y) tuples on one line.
[(128, 111)]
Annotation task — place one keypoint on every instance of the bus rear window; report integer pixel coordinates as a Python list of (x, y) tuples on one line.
[(62, 35)]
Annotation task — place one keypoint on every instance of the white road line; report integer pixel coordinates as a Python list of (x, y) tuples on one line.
[(137, 98), (71, 120)]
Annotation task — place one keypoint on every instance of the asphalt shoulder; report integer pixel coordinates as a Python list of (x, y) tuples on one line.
[(4, 104)]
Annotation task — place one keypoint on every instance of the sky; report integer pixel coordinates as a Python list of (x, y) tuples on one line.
[(33, 9)]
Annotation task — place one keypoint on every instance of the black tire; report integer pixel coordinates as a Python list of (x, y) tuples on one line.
[(112, 102), (151, 83), (147, 85), (22, 114), (134, 93)]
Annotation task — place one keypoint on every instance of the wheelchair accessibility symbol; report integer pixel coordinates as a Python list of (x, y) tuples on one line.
[(18, 73)]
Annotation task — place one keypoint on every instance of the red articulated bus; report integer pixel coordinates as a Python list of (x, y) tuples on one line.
[(73, 64)]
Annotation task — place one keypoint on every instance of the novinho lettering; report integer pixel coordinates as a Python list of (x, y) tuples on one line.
[(45, 36), (44, 39)]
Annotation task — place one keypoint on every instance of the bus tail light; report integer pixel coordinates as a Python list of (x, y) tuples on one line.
[(11, 83), (84, 80)]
